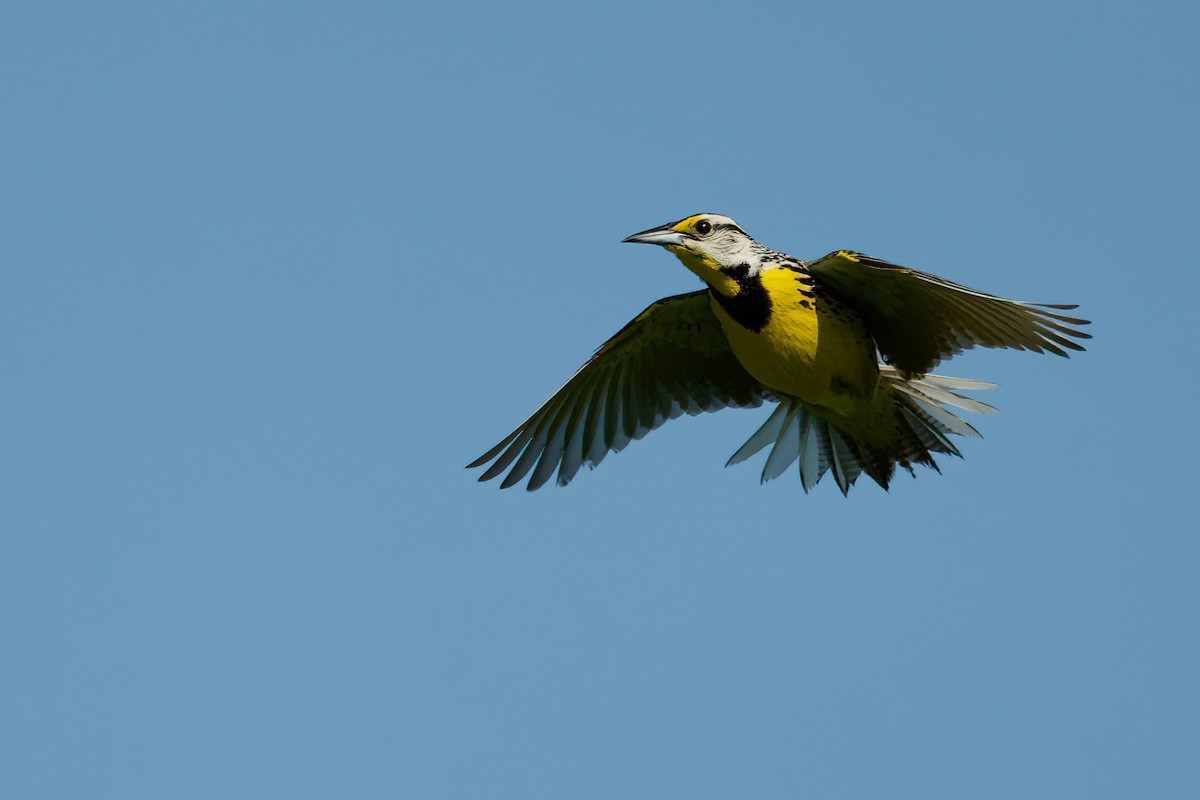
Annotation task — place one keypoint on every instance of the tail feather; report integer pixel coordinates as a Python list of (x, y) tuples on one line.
[(847, 463), (924, 421), (765, 435), (813, 459), (928, 390), (787, 445)]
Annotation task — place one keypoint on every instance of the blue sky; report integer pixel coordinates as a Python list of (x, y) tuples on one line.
[(273, 273)]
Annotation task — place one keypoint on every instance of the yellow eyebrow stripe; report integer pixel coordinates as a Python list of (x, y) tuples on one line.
[(685, 225)]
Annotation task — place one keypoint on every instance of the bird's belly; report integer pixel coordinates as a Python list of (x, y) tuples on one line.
[(824, 358)]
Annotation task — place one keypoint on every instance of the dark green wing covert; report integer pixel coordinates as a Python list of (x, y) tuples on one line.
[(671, 359), (918, 319)]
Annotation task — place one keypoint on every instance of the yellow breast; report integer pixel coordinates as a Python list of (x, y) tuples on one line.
[(814, 349)]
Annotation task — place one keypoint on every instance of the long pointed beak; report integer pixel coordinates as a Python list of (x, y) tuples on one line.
[(662, 235)]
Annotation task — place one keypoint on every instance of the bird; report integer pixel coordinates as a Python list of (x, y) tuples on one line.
[(843, 345)]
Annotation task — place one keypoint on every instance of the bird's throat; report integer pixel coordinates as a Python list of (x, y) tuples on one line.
[(719, 278), (739, 293)]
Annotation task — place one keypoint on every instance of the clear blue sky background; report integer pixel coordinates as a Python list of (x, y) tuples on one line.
[(274, 272)]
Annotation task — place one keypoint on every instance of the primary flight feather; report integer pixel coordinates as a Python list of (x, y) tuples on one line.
[(807, 335)]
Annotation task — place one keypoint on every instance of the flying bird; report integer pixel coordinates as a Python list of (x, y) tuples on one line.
[(843, 345)]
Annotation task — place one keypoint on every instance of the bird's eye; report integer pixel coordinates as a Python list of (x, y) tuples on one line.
[(703, 227)]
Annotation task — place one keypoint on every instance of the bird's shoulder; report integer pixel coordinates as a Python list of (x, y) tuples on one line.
[(786, 275)]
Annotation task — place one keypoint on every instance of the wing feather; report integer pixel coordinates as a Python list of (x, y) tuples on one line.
[(671, 359), (593, 435), (919, 319), (572, 458)]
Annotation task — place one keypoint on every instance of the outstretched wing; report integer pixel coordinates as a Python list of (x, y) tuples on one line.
[(919, 319), (671, 359)]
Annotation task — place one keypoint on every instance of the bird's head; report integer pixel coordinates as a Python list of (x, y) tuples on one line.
[(711, 245)]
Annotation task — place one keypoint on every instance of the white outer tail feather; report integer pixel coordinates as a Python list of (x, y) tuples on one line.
[(796, 433)]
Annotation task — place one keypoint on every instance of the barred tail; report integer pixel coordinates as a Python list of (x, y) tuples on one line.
[(922, 406)]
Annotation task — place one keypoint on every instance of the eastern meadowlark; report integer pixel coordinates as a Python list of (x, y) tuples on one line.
[(842, 344)]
